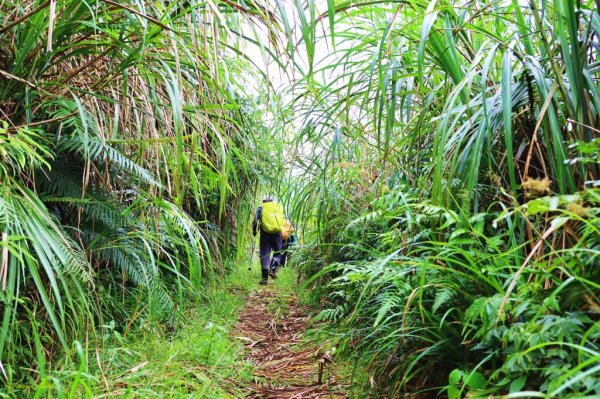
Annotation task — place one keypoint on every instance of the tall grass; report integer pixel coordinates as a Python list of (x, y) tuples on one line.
[(126, 147), (440, 157), (448, 182)]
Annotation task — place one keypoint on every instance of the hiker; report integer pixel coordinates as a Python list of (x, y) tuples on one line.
[(269, 219), (288, 238)]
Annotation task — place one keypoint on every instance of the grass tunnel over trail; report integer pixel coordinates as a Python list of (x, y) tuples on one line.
[(440, 160)]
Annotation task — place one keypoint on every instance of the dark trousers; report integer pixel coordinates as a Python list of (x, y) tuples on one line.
[(284, 252), (270, 243)]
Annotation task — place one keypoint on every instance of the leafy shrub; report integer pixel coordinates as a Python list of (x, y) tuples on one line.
[(440, 309)]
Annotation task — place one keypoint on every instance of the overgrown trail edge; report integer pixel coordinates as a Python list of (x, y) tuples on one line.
[(272, 325)]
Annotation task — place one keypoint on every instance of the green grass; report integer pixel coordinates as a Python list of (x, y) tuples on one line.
[(199, 358), (202, 359), (439, 171), (124, 179), (440, 157), (196, 358)]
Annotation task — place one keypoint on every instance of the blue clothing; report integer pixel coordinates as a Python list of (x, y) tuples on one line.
[(268, 243), (286, 245)]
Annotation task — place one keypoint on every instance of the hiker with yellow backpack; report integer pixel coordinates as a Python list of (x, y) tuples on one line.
[(269, 219)]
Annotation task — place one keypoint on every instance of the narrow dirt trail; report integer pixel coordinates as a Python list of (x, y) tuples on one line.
[(272, 325)]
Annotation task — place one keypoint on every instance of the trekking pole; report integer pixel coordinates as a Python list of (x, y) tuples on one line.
[(251, 254)]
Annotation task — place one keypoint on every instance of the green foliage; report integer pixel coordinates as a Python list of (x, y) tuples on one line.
[(446, 301), (438, 157), (195, 356), (125, 154), (445, 182)]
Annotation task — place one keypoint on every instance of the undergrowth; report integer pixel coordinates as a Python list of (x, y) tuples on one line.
[(427, 299), (193, 358)]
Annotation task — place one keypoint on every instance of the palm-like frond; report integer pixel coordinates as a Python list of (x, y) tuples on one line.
[(125, 119), (38, 253)]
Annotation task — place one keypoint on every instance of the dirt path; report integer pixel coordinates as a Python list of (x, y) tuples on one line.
[(271, 325)]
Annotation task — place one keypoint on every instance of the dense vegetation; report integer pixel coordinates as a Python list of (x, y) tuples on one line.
[(451, 193), (440, 158), (123, 170)]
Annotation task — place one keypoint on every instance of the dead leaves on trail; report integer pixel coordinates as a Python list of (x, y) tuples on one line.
[(286, 367), (294, 392)]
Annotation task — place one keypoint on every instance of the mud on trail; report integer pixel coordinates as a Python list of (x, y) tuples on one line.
[(271, 326)]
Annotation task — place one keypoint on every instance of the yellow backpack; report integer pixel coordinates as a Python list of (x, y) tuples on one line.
[(271, 217), (287, 230)]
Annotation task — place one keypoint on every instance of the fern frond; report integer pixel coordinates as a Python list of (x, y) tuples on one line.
[(99, 151), (442, 297)]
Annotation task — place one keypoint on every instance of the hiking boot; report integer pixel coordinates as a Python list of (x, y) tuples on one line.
[(265, 277), (273, 275)]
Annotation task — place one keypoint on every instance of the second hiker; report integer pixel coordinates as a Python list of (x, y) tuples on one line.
[(288, 238), (269, 220)]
